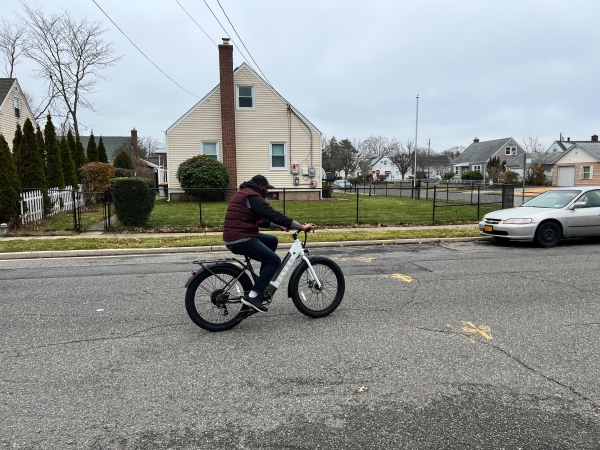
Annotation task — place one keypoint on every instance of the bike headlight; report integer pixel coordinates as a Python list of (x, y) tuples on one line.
[(517, 221)]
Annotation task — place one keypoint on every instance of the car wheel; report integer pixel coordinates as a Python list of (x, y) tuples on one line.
[(548, 234)]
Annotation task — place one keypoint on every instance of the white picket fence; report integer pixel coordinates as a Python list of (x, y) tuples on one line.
[(32, 203)]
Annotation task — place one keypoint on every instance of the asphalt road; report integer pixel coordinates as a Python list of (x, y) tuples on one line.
[(454, 346)]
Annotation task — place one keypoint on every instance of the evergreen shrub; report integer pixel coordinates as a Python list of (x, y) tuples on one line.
[(133, 199), (472, 175), (198, 174), (123, 161), (9, 181)]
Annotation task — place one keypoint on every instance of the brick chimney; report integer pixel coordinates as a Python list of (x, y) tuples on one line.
[(228, 110), (134, 141), (476, 140), (595, 138)]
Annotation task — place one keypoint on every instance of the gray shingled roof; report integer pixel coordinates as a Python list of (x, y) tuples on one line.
[(591, 147), (5, 85), (111, 143), (479, 152)]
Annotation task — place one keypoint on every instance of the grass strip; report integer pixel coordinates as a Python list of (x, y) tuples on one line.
[(58, 244)]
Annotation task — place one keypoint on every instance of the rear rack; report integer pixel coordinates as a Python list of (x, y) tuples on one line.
[(219, 260)]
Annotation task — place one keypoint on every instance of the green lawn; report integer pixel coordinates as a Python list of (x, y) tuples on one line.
[(390, 210)]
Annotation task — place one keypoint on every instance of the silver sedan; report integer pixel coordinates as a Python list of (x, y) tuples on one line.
[(551, 216)]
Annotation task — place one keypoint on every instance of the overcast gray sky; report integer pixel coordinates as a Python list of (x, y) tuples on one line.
[(482, 68)]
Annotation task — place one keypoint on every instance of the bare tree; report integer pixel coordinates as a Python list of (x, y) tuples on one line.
[(453, 152), (400, 155), (535, 171), (12, 43), (70, 55), (147, 145)]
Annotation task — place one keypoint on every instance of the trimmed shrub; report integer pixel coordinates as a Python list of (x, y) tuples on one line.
[(326, 190), (95, 176), (201, 172), (123, 161), (448, 175), (31, 164), (472, 175), (133, 199), (16, 143), (68, 167)]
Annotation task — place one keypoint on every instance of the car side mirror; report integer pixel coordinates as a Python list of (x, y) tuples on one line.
[(578, 205)]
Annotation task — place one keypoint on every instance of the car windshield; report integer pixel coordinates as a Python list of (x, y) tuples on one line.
[(552, 199)]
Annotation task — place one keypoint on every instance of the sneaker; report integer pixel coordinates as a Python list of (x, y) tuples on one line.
[(255, 303)]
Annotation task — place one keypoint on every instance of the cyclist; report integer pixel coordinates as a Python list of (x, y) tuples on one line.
[(247, 211)]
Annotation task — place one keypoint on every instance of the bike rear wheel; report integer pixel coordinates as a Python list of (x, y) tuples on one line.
[(208, 299), (311, 300)]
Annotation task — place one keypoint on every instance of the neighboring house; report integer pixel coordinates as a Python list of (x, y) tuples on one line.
[(249, 127), (113, 143), (579, 165), (159, 158), (476, 156), (516, 165), (13, 108), (383, 165), (437, 165)]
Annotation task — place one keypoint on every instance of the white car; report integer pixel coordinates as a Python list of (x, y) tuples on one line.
[(551, 216), (341, 184)]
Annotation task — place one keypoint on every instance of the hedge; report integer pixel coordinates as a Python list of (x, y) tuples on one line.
[(133, 199)]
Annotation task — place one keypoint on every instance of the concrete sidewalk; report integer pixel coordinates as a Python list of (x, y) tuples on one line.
[(163, 250)]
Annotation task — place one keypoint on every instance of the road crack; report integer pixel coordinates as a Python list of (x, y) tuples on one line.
[(110, 338)]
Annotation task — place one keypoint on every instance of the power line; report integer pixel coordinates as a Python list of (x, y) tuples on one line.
[(263, 74), (196, 22), (138, 49)]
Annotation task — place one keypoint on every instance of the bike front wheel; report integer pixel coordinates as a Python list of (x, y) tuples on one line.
[(312, 300), (212, 300)]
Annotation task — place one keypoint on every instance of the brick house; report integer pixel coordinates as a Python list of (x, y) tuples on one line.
[(579, 165)]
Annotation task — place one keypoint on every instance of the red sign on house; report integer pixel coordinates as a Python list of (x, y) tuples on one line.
[(377, 172)]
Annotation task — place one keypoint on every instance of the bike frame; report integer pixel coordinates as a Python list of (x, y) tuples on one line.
[(296, 251)]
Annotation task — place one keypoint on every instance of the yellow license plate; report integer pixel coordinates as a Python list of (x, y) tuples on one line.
[(488, 228)]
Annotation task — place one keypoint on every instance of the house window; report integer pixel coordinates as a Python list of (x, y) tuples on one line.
[(477, 168), (277, 155), (211, 148), (245, 97), (586, 172), (456, 170), (17, 108), (510, 151)]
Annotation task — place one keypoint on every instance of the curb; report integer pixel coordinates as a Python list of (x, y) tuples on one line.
[(217, 248)]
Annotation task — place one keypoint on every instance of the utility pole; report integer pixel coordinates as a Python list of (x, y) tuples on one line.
[(416, 135)]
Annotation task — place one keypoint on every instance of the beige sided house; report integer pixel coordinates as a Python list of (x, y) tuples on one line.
[(245, 124), (579, 165), (13, 108)]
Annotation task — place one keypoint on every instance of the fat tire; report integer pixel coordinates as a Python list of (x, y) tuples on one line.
[(327, 272), (548, 234), (202, 318)]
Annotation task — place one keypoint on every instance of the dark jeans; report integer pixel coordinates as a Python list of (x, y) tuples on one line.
[(262, 249)]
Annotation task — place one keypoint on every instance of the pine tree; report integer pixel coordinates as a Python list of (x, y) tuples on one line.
[(69, 173), (16, 142), (123, 161), (31, 171), (41, 144), (102, 151), (78, 156), (9, 180), (54, 164), (92, 150)]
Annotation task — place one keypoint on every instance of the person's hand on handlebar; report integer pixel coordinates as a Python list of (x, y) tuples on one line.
[(307, 227)]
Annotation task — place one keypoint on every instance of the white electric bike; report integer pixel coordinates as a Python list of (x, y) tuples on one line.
[(214, 292)]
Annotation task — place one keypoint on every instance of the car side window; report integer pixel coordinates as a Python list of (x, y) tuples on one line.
[(591, 199)]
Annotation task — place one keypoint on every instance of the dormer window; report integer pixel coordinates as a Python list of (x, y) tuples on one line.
[(17, 108), (245, 97)]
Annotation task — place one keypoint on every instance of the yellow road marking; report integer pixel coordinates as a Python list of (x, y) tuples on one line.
[(399, 276), (471, 329)]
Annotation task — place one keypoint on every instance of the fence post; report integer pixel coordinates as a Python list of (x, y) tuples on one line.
[(200, 205), (447, 192), (478, 200), (284, 200), (357, 206), (433, 214), (386, 188)]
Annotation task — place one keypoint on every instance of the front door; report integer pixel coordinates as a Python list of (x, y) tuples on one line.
[(566, 176), (585, 221)]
